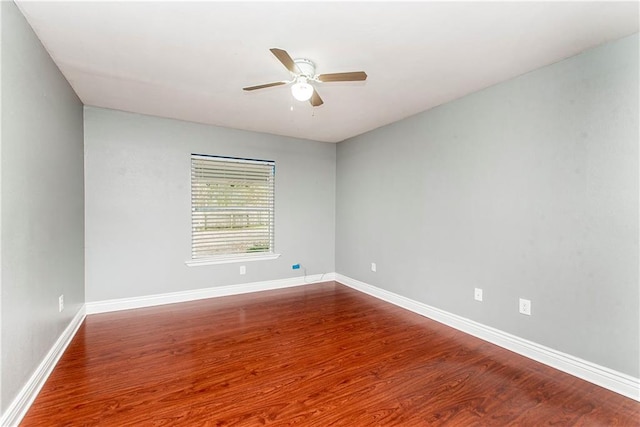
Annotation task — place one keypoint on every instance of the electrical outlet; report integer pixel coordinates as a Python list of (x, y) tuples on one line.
[(243, 269), (374, 267), (60, 303), (477, 294), (525, 306)]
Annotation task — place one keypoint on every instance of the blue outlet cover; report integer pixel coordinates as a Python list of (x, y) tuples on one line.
[(295, 266)]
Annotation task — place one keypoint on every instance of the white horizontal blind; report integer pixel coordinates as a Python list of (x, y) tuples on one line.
[(232, 206)]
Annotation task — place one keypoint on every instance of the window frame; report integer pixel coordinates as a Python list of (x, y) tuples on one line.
[(235, 256)]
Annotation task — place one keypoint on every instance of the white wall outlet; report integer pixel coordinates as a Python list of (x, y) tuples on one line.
[(243, 269), (60, 303), (477, 294), (525, 306), (374, 267)]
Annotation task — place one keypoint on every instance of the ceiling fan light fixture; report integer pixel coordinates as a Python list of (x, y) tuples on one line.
[(302, 90)]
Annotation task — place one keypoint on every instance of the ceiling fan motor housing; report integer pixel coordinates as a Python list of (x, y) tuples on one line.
[(306, 67)]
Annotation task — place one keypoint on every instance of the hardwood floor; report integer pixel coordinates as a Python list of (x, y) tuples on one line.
[(318, 355)]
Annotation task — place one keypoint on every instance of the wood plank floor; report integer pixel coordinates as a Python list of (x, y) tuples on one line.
[(317, 355)]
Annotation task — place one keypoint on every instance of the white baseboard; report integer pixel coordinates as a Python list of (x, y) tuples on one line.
[(618, 382), (197, 294), (20, 405)]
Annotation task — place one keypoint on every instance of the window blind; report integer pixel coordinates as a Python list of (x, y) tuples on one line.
[(232, 206)]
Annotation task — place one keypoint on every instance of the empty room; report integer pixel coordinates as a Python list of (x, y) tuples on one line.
[(319, 213)]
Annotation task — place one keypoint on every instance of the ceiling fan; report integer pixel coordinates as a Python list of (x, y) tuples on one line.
[(303, 72)]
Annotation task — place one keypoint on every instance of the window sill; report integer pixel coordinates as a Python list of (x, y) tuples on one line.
[(231, 259)]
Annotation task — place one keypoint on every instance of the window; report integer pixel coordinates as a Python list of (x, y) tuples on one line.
[(232, 208)]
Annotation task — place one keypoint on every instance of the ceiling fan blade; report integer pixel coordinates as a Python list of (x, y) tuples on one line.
[(264, 86), (343, 77), (286, 60), (315, 100)]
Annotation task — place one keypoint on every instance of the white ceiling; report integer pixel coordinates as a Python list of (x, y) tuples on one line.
[(190, 60)]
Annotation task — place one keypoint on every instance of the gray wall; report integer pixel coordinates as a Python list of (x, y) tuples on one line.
[(525, 189), (42, 202), (138, 223)]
